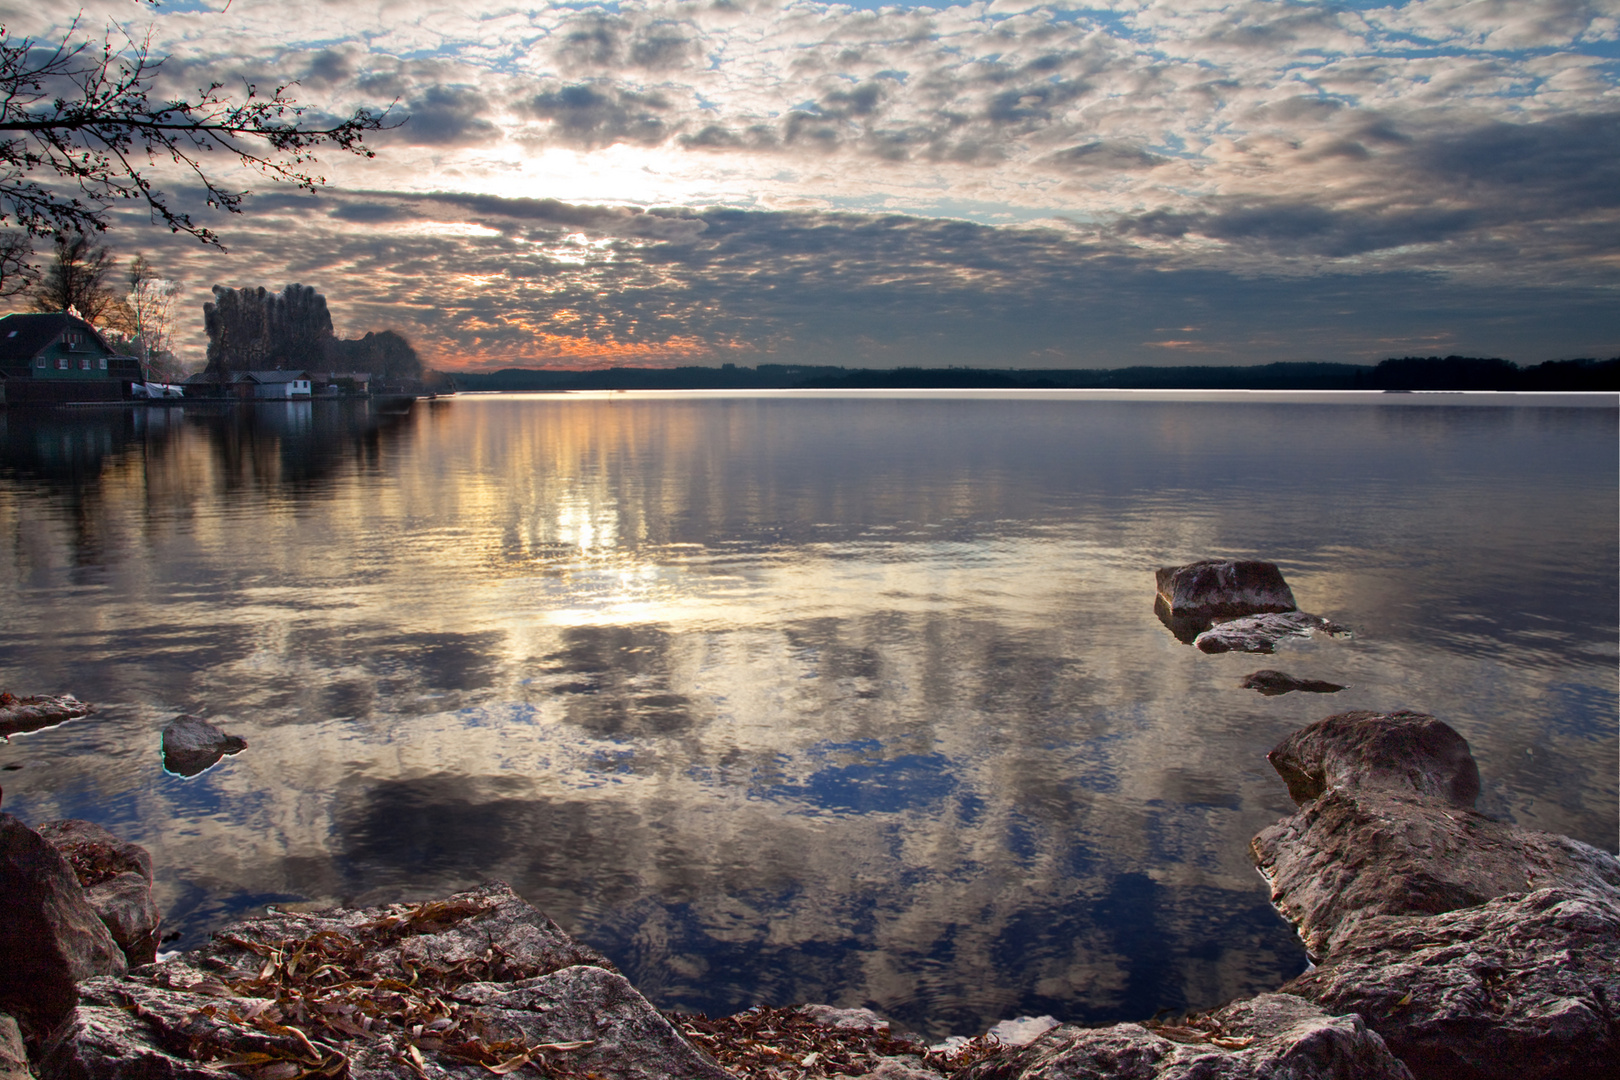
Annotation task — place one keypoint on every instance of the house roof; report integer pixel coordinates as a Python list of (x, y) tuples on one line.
[(265, 378), (23, 336)]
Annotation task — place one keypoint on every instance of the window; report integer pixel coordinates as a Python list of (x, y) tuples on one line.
[(39, 361), (84, 363), (61, 363), (103, 363)]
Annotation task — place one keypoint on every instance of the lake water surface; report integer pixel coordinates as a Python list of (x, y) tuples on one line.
[(777, 698)]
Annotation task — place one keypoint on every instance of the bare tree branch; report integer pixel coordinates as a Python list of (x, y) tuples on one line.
[(79, 129)]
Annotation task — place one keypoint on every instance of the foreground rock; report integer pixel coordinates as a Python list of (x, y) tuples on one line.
[(1262, 633), (1216, 588), (50, 938), (13, 1058), (1272, 683), (117, 881), (1478, 950), (1387, 827), (459, 987), (1270, 1036), (33, 712), (1525, 987), (191, 745)]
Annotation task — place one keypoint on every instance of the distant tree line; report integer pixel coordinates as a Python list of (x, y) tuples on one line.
[(1406, 373), (254, 329)]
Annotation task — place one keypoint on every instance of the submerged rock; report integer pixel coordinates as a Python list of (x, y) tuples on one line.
[(117, 882), (1215, 588), (191, 745), (1478, 950), (1271, 683), (1270, 1036), (50, 938), (1261, 633), (33, 712)]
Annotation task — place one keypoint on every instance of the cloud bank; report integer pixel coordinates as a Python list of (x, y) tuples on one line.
[(982, 183)]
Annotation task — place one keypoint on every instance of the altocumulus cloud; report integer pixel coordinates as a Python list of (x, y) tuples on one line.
[(1009, 182)]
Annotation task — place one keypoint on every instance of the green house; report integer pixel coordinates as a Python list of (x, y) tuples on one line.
[(57, 357)]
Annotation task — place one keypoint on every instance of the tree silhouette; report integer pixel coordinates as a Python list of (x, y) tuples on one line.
[(80, 128), (76, 277)]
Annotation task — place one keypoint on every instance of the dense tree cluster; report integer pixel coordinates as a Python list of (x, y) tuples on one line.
[(254, 329), (384, 353)]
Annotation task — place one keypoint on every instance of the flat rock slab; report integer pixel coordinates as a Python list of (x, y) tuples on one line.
[(1525, 987), (1273, 683), (1262, 633), (455, 987), (191, 745), (36, 711), (1263, 1038), (1214, 588)]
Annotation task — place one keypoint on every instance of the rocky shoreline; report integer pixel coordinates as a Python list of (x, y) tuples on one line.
[(1446, 946)]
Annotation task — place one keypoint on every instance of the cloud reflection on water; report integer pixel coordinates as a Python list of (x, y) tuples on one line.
[(854, 700)]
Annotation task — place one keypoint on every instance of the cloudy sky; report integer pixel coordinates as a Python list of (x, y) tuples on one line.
[(1010, 184)]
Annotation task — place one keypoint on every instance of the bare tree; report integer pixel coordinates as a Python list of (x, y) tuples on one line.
[(76, 277), (17, 271), (151, 306), (80, 130)]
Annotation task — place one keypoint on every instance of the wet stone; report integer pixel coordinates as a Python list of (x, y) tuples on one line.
[(191, 745), (1263, 633), (19, 714), (1272, 683)]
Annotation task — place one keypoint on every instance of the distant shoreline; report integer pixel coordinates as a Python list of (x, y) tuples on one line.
[(1408, 374)]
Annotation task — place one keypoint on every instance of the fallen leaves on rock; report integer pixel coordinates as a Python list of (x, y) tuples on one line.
[(1198, 1028), (310, 993), (790, 1045), (93, 863)]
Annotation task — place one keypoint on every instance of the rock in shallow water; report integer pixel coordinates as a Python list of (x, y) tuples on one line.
[(191, 745), (1261, 633), (1401, 753), (35, 711), (1214, 588)]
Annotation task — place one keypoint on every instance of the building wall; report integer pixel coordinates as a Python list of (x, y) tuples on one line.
[(84, 359)]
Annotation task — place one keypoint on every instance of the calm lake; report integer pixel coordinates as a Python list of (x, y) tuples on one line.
[(776, 698)]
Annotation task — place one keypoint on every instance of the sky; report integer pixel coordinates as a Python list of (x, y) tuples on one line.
[(1005, 184)]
